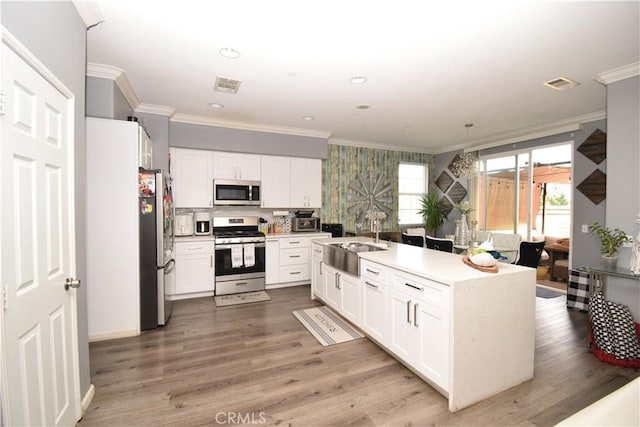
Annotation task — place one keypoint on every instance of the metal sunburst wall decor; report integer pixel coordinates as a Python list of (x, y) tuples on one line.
[(369, 193)]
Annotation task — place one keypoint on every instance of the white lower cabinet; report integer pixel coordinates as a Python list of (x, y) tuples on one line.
[(419, 325), (272, 261), (375, 301), (317, 272), (332, 295), (351, 298), (406, 314), (195, 268)]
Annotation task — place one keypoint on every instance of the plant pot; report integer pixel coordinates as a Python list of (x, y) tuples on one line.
[(542, 271), (609, 262)]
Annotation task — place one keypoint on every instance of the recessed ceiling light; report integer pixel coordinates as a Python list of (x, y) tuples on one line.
[(308, 118), (292, 74), (215, 105), (228, 52), (363, 107), (358, 80)]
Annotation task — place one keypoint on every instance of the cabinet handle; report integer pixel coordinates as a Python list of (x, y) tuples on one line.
[(337, 280), (241, 283), (372, 285), (294, 256), (414, 287), (272, 240), (296, 272), (372, 271), (408, 312), (317, 251), (192, 248), (415, 315), (321, 262), (294, 243)]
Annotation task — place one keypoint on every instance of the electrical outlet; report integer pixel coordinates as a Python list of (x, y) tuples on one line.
[(585, 228)]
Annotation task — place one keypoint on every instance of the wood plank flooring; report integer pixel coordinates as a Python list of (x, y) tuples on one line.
[(256, 364)]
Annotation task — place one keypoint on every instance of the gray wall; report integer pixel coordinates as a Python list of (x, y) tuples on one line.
[(188, 135), (105, 100), (583, 251), (56, 35), (623, 180)]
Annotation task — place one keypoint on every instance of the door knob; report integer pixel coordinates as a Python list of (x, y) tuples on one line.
[(70, 282)]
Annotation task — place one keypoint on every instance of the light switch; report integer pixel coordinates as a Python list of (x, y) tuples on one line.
[(585, 228)]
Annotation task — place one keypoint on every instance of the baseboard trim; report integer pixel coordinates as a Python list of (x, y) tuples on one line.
[(88, 398), (113, 336)]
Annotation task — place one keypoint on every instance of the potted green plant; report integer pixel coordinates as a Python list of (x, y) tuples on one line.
[(433, 212), (610, 241)]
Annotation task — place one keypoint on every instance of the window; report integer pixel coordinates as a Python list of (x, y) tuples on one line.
[(527, 192), (412, 183)]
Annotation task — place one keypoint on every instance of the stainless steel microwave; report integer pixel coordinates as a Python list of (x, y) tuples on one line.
[(236, 192)]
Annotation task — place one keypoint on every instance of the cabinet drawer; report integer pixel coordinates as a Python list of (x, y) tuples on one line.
[(371, 270), (294, 256), (294, 242), (194, 248), (294, 273), (432, 292)]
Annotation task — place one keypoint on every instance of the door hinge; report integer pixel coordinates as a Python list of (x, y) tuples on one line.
[(3, 103), (5, 297)]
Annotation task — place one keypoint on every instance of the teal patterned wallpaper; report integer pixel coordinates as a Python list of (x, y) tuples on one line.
[(344, 164)]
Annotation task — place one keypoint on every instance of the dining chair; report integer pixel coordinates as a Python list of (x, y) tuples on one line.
[(530, 253), (413, 239), (419, 231), (509, 243), (438, 244)]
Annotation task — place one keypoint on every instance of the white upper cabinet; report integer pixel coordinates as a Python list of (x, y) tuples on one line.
[(192, 172), (306, 183), (276, 182), (236, 166)]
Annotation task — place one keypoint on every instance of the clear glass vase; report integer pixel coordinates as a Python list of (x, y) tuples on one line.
[(462, 231)]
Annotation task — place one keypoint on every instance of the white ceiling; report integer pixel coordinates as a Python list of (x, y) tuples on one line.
[(431, 66)]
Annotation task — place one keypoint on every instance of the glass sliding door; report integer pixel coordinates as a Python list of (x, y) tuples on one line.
[(526, 192)]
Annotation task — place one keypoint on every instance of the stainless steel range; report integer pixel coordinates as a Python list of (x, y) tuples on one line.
[(239, 255)]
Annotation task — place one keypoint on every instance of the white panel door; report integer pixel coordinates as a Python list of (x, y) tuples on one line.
[(37, 234)]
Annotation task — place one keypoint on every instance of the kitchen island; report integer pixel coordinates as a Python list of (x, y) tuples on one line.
[(468, 333)]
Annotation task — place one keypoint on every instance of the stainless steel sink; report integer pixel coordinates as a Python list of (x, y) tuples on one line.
[(344, 256)]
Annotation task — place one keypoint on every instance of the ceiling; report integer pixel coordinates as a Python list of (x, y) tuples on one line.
[(431, 67)]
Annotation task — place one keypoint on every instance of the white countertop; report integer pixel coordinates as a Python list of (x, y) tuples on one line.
[(299, 234), (439, 266)]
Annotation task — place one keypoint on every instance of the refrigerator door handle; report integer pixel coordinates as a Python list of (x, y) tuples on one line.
[(170, 265)]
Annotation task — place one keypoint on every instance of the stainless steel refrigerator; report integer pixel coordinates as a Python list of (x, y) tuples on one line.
[(156, 247)]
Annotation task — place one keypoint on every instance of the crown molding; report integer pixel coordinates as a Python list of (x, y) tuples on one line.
[(156, 109), (373, 145), (258, 127), (617, 74), (540, 131), (117, 75), (89, 11)]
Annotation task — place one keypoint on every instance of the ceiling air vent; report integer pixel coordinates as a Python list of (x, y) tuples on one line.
[(225, 84), (561, 83)]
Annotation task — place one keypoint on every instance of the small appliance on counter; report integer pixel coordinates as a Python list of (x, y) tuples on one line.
[(303, 221), (184, 224), (203, 224), (334, 229)]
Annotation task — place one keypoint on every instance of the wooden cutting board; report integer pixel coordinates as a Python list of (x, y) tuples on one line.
[(492, 269)]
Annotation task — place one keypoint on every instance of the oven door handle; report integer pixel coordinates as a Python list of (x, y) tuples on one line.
[(224, 247)]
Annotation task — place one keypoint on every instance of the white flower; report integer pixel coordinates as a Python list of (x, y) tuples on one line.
[(375, 215)]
